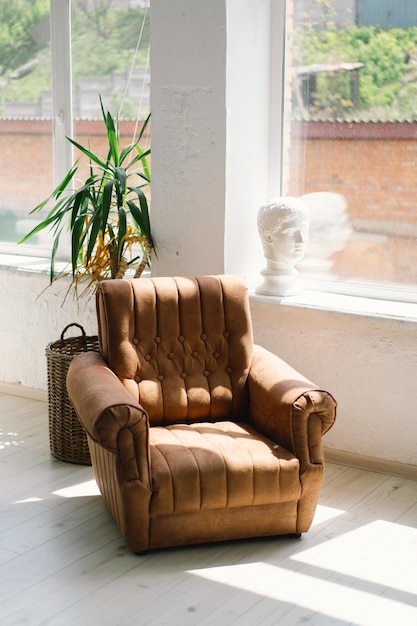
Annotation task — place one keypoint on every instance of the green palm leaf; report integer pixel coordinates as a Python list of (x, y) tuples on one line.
[(112, 135), (141, 214), (78, 202), (126, 151), (95, 228), (144, 127), (88, 153), (53, 254), (145, 165), (103, 207), (77, 239), (122, 230), (121, 176)]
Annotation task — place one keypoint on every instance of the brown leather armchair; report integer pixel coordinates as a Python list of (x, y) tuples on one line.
[(195, 433)]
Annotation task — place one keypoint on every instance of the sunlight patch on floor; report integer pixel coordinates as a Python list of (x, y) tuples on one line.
[(317, 592), (352, 554), (325, 514), (80, 490), (9, 439), (340, 579)]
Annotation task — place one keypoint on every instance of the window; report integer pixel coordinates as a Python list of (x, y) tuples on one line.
[(25, 127), (57, 58), (350, 141)]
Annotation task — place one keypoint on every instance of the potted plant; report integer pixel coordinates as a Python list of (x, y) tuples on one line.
[(107, 214)]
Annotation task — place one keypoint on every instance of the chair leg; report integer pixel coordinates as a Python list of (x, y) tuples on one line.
[(294, 535)]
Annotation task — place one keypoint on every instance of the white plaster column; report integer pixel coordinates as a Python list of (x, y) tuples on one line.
[(188, 84), (210, 112)]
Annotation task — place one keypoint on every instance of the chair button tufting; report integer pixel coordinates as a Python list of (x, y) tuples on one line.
[(147, 357), (216, 355), (226, 334), (228, 370), (206, 373), (180, 338), (203, 337), (183, 375), (194, 354), (170, 355), (160, 377), (135, 341), (157, 339)]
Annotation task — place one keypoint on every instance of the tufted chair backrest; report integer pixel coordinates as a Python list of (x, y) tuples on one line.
[(181, 346)]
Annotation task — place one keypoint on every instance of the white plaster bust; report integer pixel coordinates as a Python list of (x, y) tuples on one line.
[(283, 225)]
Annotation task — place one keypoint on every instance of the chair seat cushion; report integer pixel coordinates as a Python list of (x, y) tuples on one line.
[(218, 465)]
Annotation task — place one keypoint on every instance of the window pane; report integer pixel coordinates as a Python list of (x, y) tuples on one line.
[(25, 115), (110, 57), (351, 138)]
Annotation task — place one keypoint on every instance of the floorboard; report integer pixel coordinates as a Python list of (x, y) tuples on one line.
[(63, 562)]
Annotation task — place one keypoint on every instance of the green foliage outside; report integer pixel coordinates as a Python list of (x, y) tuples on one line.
[(102, 44), (103, 41), (19, 39), (387, 80)]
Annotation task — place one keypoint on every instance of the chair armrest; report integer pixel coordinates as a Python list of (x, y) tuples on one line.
[(109, 413), (289, 408)]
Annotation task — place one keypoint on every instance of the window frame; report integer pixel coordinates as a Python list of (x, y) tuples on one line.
[(62, 119)]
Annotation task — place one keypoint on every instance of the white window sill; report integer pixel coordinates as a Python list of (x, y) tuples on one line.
[(35, 264), (350, 305), (391, 307), (27, 263)]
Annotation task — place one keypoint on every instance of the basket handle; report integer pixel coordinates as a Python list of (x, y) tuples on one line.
[(69, 326)]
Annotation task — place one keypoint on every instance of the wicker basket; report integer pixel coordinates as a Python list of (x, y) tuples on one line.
[(67, 439)]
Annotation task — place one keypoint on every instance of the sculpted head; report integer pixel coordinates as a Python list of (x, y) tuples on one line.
[(283, 225)]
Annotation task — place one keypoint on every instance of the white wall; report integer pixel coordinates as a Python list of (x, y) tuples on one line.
[(33, 315), (368, 363)]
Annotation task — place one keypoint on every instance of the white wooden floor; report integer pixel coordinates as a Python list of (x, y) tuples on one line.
[(63, 563)]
